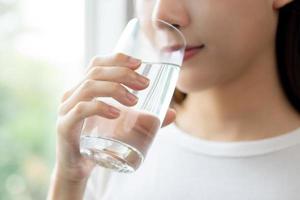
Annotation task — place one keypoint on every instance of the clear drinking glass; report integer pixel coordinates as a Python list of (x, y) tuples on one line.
[(121, 144)]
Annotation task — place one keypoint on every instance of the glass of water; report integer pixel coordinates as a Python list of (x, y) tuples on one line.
[(121, 144)]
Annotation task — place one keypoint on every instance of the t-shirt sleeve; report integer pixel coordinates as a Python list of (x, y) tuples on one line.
[(97, 184)]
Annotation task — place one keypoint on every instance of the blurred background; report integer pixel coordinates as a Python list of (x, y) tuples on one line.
[(44, 47)]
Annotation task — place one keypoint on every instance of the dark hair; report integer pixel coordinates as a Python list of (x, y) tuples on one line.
[(287, 53)]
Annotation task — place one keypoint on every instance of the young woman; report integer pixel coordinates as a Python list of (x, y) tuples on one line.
[(237, 129)]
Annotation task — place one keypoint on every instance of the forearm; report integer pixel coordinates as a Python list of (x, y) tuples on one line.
[(63, 188)]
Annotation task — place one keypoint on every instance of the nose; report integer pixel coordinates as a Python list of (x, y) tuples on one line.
[(172, 11)]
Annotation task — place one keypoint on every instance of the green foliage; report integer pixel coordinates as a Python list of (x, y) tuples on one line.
[(29, 95)]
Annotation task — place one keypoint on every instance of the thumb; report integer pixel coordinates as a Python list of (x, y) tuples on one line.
[(170, 117)]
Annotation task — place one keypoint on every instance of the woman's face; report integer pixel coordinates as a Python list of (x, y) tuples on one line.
[(236, 34)]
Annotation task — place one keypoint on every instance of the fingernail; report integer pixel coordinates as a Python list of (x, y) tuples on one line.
[(134, 61), (143, 80), (131, 97), (114, 111)]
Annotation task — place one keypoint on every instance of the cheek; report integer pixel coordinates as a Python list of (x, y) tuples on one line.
[(236, 33), (238, 25)]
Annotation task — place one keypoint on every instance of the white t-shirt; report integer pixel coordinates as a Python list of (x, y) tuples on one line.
[(179, 166)]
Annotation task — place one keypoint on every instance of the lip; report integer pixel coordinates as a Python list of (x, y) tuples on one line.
[(191, 51)]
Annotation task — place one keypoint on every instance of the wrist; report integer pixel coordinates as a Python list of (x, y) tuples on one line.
[(72, 175), (63, 186)]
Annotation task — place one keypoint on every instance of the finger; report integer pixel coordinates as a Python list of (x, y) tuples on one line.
[(119, 59), (118, 74), (92, 89), (170, 117), (83, 110), (106, 61)]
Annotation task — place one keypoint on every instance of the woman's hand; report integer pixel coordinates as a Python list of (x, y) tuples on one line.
[(103, 79)]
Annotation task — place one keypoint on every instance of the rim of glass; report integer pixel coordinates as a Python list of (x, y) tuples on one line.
[(168, 24)]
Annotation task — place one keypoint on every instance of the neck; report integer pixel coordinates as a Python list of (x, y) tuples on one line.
[(249, 108)]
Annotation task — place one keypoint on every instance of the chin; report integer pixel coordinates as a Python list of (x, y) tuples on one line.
[(189, 86), (188, 83)]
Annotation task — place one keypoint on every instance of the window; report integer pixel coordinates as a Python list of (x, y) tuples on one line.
[(105, 21), (41, 44)]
